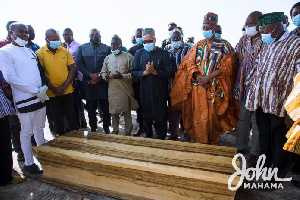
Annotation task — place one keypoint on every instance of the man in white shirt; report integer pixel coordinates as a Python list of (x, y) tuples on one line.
[(20, 69)]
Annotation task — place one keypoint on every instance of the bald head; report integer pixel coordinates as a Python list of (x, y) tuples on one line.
[(50, 32), (14, 26), (252, 21)]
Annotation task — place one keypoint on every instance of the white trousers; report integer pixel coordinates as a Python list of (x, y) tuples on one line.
[(32, 123)]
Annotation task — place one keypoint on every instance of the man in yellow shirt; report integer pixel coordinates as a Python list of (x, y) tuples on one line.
[(59, 69)]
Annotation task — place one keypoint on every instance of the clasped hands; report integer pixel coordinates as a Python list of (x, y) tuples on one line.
[(117, 75), (202, 79), (149, 69)]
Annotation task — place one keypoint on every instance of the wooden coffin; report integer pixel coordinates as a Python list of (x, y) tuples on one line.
[(137, 168)]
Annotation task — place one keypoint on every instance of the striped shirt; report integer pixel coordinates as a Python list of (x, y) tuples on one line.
[(5, 107), (246, 54), (275, 68)]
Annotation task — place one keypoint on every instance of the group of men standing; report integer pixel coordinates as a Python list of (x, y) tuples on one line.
[(203, 84)]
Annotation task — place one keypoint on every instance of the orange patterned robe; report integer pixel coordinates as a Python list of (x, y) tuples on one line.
[(206, 113)]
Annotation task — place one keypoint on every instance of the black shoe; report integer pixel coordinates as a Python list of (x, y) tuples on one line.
[(106, 131), (296, 183), (138, 132), (32, 168)]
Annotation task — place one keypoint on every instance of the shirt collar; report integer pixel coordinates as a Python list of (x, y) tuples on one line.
[(285, 35), (72, 43)]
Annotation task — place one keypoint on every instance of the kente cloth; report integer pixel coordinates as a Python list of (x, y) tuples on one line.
[(274, 71), (206, 113), (292, 107), (246, 54)]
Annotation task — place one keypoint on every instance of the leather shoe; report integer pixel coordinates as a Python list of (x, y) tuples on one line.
[(106, 131), (138, 132), (33, 168)]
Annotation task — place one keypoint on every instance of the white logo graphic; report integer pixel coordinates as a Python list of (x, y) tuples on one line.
[(259, 171)]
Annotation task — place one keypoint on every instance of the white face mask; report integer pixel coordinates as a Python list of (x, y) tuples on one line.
[(251, 31), (20, 42)]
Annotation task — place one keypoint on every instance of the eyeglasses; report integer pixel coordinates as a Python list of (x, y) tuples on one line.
[(147, 41)]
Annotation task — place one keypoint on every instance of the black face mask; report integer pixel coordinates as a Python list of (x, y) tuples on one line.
[(95, 40)]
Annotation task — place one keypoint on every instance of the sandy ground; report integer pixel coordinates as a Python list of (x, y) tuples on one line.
[(34, 188)]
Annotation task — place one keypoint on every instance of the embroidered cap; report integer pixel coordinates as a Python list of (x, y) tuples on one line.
[(270, 18), (210, 18)]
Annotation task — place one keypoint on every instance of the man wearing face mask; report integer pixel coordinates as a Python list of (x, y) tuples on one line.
[(203, 84), (59, 69), (274, 70), (20, 69), (190, 41), (177, 53), (295, 15), (136, 82), (286, 22), (171, 27), (133, 41), (116, 70), (89, 60), (152, 66), (31, 35), (247, 51)]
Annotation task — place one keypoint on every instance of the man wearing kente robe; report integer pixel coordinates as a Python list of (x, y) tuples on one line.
[(152, 66), (203, 86), (274, 70)]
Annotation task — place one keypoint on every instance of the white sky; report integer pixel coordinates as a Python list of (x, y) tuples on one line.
[(122, 17)]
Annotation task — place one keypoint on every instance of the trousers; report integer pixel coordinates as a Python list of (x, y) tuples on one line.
[(272, 131), (32, 123), (243, 130), (116, 121)]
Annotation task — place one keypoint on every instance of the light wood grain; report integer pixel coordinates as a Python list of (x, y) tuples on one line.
[(137, 168)]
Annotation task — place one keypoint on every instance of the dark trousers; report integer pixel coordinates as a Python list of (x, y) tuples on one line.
[(160, 128), (136, 89), (272, 131), (61, 106), (5, 152), (92, 107), (79, 106), (15, 128)]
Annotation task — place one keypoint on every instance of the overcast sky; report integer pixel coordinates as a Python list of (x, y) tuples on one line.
[(122, 17)]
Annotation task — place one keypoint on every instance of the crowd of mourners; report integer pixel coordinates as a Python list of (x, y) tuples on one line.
[(205, 88)]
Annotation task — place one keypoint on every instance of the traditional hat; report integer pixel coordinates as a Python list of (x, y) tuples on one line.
[(149, 31), (210, 18), (270, 18)]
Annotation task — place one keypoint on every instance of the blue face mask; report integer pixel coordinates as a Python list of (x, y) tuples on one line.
[(54, 44), (267, 38), (284, 26), (296, 20), (115, 52), (177, 44), (191, 44), (207, 34), (139, 41), (149, 47), (218, 35)]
